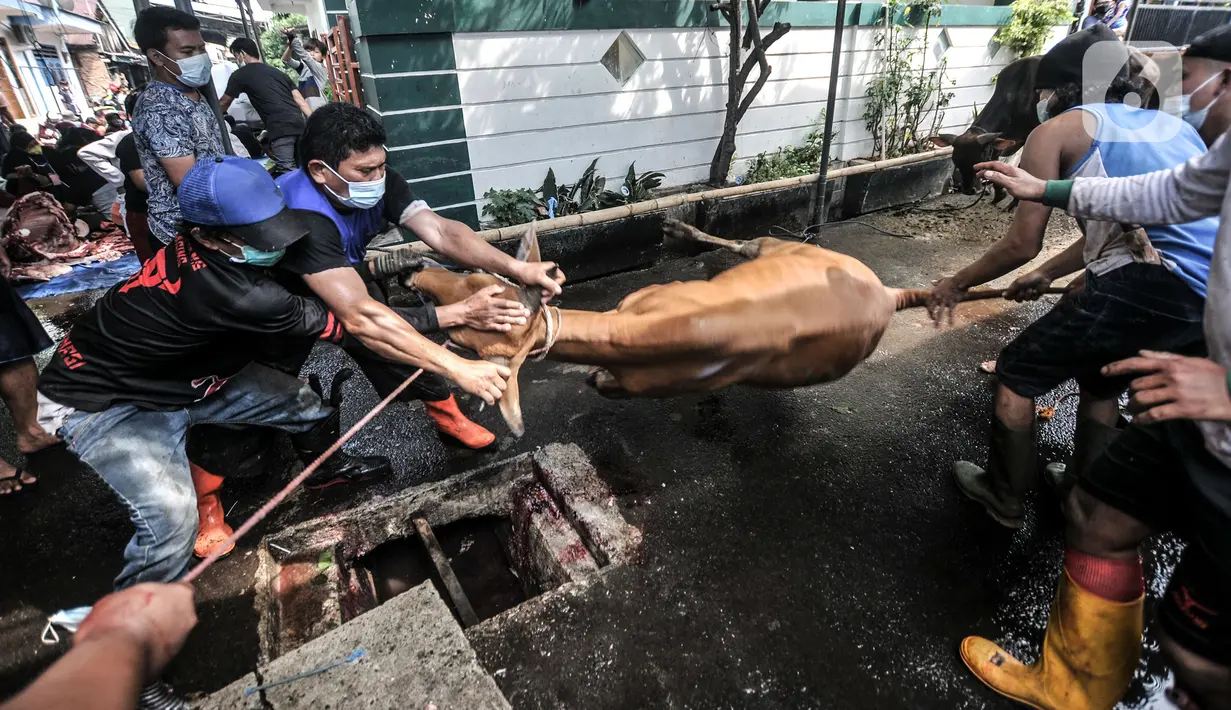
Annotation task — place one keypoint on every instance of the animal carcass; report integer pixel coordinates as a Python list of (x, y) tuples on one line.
[(794, 315)]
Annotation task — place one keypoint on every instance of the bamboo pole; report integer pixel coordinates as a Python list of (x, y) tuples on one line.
[(662, 203)]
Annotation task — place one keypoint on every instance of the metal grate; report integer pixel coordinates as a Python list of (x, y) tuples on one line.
[(1177, 25)]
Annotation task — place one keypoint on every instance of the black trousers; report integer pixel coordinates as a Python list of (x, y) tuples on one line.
[(244, 451), (385, 375)]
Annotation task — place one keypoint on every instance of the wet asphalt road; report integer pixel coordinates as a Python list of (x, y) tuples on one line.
[(805, 548)]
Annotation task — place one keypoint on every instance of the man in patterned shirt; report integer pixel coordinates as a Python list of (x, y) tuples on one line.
[(174, 126)]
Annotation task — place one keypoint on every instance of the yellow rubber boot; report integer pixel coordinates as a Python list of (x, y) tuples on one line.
[(1089, 654)]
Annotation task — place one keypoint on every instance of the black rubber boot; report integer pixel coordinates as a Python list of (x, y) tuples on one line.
[(1090, 439), (341, 467), (1002, 487)]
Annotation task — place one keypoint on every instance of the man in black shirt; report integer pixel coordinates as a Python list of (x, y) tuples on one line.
[(275, 98), (174, 347), (354, 195)]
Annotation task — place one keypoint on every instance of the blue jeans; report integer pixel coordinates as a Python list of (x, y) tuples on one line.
[(140, 454)]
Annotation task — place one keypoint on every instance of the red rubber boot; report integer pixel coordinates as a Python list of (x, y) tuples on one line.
[(450, 421), (212, 530)]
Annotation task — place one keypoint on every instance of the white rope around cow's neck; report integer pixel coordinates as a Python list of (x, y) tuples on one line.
[(553, 332)]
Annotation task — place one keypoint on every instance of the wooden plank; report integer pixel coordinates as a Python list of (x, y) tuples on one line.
[(445, 570)]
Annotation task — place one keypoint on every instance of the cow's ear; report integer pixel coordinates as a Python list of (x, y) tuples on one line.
[(985, 138), (944, 140), (1003, 145), (529, 248)]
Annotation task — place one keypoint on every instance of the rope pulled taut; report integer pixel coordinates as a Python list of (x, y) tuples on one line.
[(308, 470)]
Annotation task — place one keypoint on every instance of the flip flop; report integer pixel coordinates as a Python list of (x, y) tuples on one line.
[(19, 481)]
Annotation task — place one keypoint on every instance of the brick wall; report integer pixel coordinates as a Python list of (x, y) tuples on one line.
[(92, 71)]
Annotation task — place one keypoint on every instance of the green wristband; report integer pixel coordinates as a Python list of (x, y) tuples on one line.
[(1056, 193), (1229, 382)]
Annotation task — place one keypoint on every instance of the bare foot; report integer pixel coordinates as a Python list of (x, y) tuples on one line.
[(35, 440)]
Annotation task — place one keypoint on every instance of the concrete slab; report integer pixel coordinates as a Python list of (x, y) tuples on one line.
[(589, 504), (416, 655), (548, 548), (232, 697)]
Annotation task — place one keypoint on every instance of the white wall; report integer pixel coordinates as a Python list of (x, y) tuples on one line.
[(540, 100)]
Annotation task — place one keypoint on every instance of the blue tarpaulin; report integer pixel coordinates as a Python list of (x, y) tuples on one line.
[(86, 277)]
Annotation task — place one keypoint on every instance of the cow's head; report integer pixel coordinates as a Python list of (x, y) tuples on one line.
[(508, 348), (971, 148)]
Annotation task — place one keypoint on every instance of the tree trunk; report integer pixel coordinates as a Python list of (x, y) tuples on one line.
[(739, 69), (725, 152)]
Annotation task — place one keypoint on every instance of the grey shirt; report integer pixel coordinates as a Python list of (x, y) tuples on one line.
[(1185, 193), (301, 61)]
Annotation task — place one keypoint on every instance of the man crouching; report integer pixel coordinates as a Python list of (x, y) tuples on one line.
[(174, 347)]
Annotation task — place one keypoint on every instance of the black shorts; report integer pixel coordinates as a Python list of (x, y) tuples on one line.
[(21, 335), (1132, 308), (1164, 476)]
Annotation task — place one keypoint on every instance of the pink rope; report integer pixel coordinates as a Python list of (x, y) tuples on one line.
[(259, 515)]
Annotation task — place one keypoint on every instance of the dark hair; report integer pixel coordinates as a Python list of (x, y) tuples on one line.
[(21, 140), (150, 29), (247, 46), (207, 231), (130, 102), (335, 131), (314, 43), (229, 119), (1070, 95)]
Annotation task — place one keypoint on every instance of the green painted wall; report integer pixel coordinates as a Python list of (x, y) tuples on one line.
[(413, 17), (406, 50)]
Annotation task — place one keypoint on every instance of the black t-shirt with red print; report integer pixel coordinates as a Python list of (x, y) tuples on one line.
[(177, 331)]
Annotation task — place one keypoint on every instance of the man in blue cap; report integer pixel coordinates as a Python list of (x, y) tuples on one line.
[(176, 345)]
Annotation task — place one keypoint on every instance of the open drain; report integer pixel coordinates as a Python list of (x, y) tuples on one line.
[(473, 571), (488, 540)]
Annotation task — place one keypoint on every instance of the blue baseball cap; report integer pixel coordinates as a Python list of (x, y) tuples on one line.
[(240, 196)]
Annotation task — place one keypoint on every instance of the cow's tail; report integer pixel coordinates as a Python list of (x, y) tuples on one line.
[(909, 297)]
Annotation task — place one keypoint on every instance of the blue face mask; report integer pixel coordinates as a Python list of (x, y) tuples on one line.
[(363, 195), (195, 70), (256, 257)]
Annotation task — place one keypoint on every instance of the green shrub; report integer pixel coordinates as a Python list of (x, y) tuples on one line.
[(273, 42), (509, 207), (788, 161), (1032, 22)]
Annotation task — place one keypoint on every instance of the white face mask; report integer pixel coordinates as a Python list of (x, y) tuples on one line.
[(363, 195), (1181, 105), (1040, 110), (194, 70)]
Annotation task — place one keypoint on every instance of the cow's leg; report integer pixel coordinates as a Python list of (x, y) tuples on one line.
[(689, 233), (605, 383)]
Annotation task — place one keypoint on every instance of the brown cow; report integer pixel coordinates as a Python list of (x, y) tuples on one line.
[(794, 315)]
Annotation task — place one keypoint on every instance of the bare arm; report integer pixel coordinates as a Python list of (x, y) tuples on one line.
[(388, 335), (301, 102), (459, 242), (129, 637), (1041, 156), (287, 59), (1185, 193), (177, 168), (225, 101), (138, 178)]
